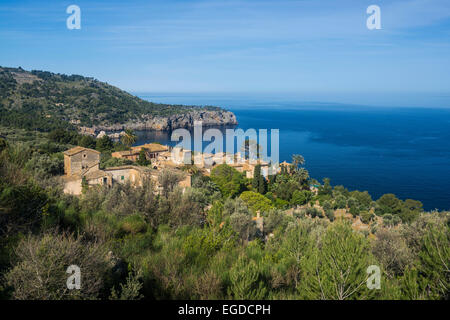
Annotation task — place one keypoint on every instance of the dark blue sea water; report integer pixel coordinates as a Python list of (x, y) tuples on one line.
[(405, 151)]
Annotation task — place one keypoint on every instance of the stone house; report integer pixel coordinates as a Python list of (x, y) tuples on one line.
[(133, 174), (152, 151), (79, 159), (83, 163), (136, 175), (248, 168)]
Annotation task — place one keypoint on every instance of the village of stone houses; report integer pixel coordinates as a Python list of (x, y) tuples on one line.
[(82, 170), (83, 164)]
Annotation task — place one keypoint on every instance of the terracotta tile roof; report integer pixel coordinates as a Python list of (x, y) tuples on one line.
[(122, 153), (152, 147), (78, 149)]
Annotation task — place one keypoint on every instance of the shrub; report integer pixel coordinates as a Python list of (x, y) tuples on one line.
[(87, 141), (390, 220), (388, 203), (330, 215), (44, 166), (392, 252), (366, 217), (3, 144), (108, 161), (243, 225), (275, 220), (133, 224), (104, 144), (168, 179), (327, 205), (42, 261), (256, 201), (313, 212), (300, 197), (340, 202), (363, 198)]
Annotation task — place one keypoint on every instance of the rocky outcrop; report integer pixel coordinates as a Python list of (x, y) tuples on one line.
[(147, 122)]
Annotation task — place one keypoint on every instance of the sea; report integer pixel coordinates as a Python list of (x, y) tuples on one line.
[(381, 149)]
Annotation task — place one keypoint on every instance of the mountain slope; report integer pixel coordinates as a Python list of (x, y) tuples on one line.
[(42, 100)]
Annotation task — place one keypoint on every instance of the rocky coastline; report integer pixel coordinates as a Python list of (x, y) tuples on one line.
[(147, 122)]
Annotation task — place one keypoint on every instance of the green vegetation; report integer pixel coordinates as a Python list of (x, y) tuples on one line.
[(259, 183), (230, 181), (256, 202), (40, 100), (142, 159), (203, 243)]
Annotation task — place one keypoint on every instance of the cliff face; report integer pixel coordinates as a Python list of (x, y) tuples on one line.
[(148, 122)]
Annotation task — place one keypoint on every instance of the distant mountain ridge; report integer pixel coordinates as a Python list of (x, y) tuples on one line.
[(43, 100)]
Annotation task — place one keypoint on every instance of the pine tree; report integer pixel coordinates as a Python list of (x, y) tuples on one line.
[(246, 283), (336, 268), (256, 178), (262, 185), (435, 260)]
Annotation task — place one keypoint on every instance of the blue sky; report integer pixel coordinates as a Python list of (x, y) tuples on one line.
[(307, 47)]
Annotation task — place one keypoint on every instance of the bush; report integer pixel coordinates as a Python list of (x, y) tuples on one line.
[(133, 224), (104, 144), (275, 220), (340, 202), (390, 220), (44, 166), (87, 142), (168, 179), (42, 261), (392, 252), (300, 197), (327, 205), (313, 212), (367, 217), (243, 225), (3, 144), (363, 198), (281, 204), (388, 203), (330, 214)]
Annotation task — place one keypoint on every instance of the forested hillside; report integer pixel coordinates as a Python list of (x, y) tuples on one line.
[(44, 100)]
